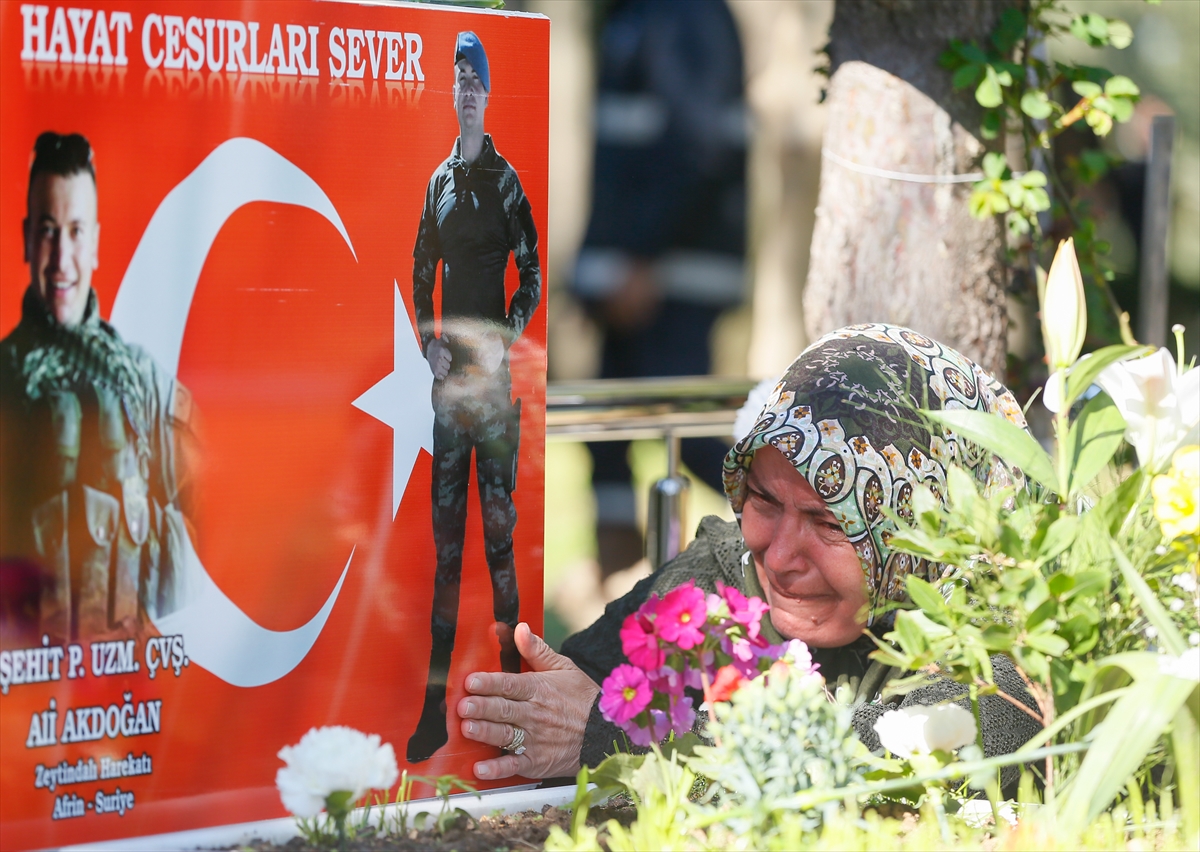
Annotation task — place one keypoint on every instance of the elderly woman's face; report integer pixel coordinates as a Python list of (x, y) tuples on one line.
[(809, 570)]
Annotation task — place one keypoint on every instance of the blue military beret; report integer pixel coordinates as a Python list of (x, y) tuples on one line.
[(469, 47)]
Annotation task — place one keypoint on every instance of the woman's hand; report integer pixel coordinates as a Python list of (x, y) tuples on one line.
[(551, 704)]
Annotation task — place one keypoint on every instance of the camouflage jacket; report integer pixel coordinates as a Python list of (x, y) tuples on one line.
[(92, 440), (474, 215)]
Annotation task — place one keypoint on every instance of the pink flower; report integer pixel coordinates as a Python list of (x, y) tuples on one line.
[(742, 653), (624, 694), (797, 652), (660, 725), (671, 681), (640, 643), (638, 735), (727, 682), (682, 715), (682, 616), (747, 612)]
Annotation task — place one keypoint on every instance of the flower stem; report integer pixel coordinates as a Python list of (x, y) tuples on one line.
[(974, 688)]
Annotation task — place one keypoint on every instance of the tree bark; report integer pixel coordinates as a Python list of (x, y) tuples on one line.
[(887, 250)]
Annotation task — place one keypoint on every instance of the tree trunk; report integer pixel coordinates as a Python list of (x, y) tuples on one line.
[(888, 250)]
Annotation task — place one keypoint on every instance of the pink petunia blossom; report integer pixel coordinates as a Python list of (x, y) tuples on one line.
[(660, 724), (683, 716), (668, 680), (682, 616), (799, 655), (640, 643), (624, 694), (638, 735), (747, 612)]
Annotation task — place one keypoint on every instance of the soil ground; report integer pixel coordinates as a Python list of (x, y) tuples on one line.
[(506, 833)]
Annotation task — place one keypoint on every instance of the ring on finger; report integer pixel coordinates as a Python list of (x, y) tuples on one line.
[(516, 745)]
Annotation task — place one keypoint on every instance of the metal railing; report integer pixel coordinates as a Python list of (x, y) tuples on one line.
[(638, 409)]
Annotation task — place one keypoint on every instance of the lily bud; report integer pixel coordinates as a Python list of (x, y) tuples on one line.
[(1064, 311)]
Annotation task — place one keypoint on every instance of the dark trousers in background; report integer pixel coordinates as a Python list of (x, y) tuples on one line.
[(676, 343)]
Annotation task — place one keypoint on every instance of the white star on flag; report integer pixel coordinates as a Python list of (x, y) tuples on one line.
[(402, 400)]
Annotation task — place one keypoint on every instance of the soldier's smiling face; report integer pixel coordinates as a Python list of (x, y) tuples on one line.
[(470, 98), (62, 239)]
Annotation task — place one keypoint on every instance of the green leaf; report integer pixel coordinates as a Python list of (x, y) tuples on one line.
[(1004, 438), (1121, 86), (988, 93), (1168, 634), (1120, 743), (998, 638), (967, 75), (973, 53), (1084, 372), (1009, 30), (929, 629), (1093, 438), (1060, 583), (1018, 224), (1036, 104), (1059, 537), (989, 128), (1185, 741), (1100, 122), (1086, 89), (911, 638), (1122, 109), (1037, 199), (1120, 34), (1048, 643), (994, 165), (1033, 178), (928, 598), (985, 203)]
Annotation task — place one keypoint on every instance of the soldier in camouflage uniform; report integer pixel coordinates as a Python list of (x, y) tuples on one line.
[(475, 214), (90, 434)]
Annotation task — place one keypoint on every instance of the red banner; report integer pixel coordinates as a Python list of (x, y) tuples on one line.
[(220, 483)]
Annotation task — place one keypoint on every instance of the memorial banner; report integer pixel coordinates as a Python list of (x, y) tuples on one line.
[(272, 393)]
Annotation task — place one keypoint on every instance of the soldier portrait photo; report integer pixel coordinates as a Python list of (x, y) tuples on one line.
[(475, 215), (96, 440)]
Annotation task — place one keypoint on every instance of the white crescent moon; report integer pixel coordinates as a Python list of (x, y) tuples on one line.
[(151, 310)]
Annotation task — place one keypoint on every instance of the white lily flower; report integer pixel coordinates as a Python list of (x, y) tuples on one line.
[(1064, 309), (332, 760), (977, 813), (1160, 407), (1185, 666), (921, 730)]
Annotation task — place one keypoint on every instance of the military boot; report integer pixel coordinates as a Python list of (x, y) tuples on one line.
[(431, 729), (510, 657)]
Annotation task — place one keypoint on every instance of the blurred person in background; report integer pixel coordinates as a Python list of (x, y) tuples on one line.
[(664, 251)]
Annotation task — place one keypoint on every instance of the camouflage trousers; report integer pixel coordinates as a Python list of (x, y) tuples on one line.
[(479, 425)]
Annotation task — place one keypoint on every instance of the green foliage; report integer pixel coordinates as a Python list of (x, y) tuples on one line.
[(1034, 99), (779, 736)]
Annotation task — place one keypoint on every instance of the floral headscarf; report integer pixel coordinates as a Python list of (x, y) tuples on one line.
[(846, 415)]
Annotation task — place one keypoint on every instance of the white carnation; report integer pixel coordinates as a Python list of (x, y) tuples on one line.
[(1186, 665), (921, 730), (330, 760), (749, 413)]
